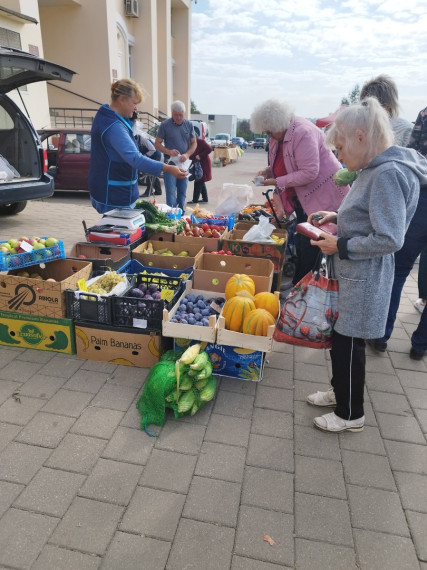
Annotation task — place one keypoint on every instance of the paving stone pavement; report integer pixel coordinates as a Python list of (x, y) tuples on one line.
[(83, 487)]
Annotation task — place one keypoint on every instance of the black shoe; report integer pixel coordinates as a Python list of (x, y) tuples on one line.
[(203, 201), (377, 344), (145, 195), (416, 354), (158, 193), (193, 202)]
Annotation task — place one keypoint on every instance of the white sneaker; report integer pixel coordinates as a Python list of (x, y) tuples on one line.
[(324, 399), (335, 424), (420, 304)]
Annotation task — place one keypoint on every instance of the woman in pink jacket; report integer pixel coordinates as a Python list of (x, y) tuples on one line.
[(301, 168)]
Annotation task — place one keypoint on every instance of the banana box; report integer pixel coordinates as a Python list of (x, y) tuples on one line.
[(167, 255), (40, 333), (127, 346), (231, 361)]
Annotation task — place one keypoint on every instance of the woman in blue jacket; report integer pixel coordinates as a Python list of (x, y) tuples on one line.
[(115, 157)]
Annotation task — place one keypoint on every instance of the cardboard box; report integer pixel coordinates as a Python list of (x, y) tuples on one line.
[(211, 272), (38, 296), (160, 236), (193, 332), (208, 243), (241, 340), (232, 362), (102, 256), (129, 347), (234, 243), (40, 333), (167, 261)]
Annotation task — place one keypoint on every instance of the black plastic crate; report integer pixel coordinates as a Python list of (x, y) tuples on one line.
[(88, 307), (138, 312)]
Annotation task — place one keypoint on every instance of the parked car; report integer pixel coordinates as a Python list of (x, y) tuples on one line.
[(201, 128), (221, 139), (23, 169), (239, 141), (260, 143), (68, 156)]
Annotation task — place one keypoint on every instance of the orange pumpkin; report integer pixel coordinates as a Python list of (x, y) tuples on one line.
[(235, 310), (257, 322), (267, 301), (239, 282)]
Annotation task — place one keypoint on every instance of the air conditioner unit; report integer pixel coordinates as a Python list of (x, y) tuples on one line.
[(132, 8)]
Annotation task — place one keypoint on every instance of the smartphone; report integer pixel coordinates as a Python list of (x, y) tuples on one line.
[(314, 232)]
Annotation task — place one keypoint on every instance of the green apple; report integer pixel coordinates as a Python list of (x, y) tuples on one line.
[(13, 243), (37, 245), (5, 250), (36, 276), (51, 242), (42, 241)]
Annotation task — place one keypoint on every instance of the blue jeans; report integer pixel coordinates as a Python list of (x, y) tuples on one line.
[(176, 190), (404, 259)]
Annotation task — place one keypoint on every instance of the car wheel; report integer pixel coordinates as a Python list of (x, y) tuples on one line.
[(12, 209)]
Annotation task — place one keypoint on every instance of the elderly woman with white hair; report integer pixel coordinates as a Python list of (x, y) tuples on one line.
[(301, 168), (372, 222)]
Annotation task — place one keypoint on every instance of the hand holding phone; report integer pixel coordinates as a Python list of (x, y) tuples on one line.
[(315, 232)]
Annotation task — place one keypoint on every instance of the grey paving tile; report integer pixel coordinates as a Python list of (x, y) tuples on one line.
[(412, 379), (169, 471), (19, 370), (181, 437), (8, 493), (369, 440), (402, 360), (202, 417), (241, 563), (421, 416), (254, 524), (311, 373), (94, 366), (7, 388), (55, 558), (46, 430), (282, 379), (378, 364), (317, 476), (221, 461), (111, 481), (268, 489), (270, 453), (19, 462), (376, 550), (213, 501), (303, 388), (20, 410), (274, 399), (34, 355), (115, 397), (281, 360), (311, 512), (9, 353), (87, 381), (304, 413), (377, 510), (390, 403), (50, 492), (370, 417), (76, 453), (97, 422), (209, 546), (7, 433), (132, 552), (39, 386), (315, 443), (417, 398), (407, 456), (68, 403), (418, 527), (310, 356), (412, 488), (228, 430), (153, 513), (129, 445), (129, 376), (22, 536), (132, 419), (383, 383), (245, 387), (273, 423), (400, 428), (367, 470), (60, 365), (87, 526), (313, 555), (233, 404)]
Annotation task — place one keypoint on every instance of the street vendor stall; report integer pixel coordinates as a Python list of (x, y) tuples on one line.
[(227, 154)]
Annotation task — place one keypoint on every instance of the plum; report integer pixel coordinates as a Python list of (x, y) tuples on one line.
[(201, 304), (142, 287)]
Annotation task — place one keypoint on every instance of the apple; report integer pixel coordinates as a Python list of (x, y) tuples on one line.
[(51, 279), (51, 242), (5, 250), (13, 243), (23, 273), (37, 245), (23, 238), (13, 251), (42, 241), (81, 256), (36, 276)]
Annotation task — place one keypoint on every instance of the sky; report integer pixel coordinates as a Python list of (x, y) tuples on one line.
[(310, 53)]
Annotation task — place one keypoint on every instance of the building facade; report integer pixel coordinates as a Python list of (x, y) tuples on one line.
[(103, 40)]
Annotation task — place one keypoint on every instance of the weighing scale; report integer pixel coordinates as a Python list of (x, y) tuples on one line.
[(126, 219)]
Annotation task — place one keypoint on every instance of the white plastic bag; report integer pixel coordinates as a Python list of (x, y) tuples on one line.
[(235, 197), (260, 232)]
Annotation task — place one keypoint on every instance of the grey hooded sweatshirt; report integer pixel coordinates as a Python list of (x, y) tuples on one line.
[(372, 222)]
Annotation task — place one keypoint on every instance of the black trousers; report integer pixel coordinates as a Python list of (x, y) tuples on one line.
[(348, 375), (306, 254), (200, 188)]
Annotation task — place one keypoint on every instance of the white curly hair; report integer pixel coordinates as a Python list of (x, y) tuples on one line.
[(272, 115)]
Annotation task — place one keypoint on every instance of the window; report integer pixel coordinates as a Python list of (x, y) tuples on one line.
[(9, 38)]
